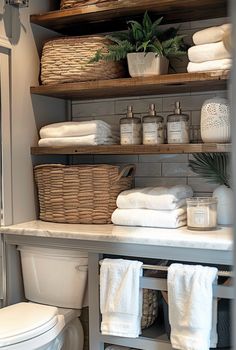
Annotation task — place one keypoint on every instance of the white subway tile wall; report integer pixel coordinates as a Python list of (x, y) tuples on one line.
[(153, 170)]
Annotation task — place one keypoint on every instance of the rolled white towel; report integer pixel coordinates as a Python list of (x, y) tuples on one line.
[(150, 218), (89, 140), (209, 65), (69, 129), (211, 35), (158, 198), (208, 52)]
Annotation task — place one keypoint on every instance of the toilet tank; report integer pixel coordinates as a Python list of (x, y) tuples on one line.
[(54, 276)]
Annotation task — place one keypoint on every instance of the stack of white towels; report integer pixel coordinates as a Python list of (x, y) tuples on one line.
[(84, 133), (212, 50), (153, 207)]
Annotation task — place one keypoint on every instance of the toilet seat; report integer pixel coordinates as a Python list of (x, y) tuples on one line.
[(23, 323)]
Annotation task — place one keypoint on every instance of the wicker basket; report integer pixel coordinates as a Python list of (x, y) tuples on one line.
[(150, 307), (83, 194), (67, 60), (80, 3)]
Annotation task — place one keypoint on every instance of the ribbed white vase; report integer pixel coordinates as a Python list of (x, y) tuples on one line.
[(225, 205), (215, 120)]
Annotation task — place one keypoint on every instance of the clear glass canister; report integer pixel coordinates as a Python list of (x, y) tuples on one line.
[(202, 213), (130, 129), (178, 126), (153, 128)]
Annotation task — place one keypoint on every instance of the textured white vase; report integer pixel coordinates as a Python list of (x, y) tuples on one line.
[(143, 64), (215, 120), (225, 206)]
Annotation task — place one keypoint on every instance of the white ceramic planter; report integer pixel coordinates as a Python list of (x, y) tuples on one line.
[(225, 205), (142, 64)]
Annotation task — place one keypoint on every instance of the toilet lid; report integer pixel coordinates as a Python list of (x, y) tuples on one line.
[(23, 321)]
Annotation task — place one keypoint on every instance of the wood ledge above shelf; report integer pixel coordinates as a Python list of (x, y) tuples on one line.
[(108, 16), (135, 149), (125, 87)]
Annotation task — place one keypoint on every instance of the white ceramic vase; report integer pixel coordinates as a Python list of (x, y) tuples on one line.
[(143, 64), (225, 206), (215, 120)]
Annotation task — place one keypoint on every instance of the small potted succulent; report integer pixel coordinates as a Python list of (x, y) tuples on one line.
[(146, 47)]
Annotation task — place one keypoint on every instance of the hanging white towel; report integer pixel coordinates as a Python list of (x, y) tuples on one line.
[(209, 66), (89, 140), (121, 297), (70, 129), (158, 198), (190, 299), (150, 218), (211, 35), (208, 52)]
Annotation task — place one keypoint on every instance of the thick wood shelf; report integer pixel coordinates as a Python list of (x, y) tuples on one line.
[(135, 149), (113, 16), (163, 84)]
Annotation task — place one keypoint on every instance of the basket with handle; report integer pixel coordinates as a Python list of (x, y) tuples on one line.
[(67, 59), (83, 194), (80, 3)]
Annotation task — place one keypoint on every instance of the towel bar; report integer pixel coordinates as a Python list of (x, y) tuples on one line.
[(165, 268)]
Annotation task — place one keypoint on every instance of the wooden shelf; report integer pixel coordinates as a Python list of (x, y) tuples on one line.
[(113, 16), (163, 84), (134, 149)]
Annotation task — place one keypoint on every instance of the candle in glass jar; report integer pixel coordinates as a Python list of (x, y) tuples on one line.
[(201, 213)]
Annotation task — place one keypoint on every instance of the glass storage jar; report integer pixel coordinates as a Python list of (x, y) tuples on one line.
[(130, 129), (202, 213), (153, 128), (178, 126)]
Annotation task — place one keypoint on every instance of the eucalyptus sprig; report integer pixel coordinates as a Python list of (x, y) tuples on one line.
[(143, 37)]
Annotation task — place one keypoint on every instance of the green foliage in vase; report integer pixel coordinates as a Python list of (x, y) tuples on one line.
[(212, 166), (143, 37)]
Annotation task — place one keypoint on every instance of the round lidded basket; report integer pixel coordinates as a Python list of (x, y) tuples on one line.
[(67, 60), (84, 194), (215, 120)]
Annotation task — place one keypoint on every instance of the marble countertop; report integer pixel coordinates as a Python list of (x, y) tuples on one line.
[(219, 239)]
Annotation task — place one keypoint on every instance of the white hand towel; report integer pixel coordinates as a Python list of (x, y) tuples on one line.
[(208, 52), (150, 218), (121, 297), (158, 198), (89, 140), (190, 301), (211, 35), (70, 129), (209, 65)]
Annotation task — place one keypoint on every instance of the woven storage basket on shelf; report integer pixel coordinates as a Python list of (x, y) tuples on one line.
[(67, 60), (83, 194), (150, 307), (79, 3)]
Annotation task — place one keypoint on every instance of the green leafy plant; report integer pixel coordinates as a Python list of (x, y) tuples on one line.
[(143, 37), (212, 166)]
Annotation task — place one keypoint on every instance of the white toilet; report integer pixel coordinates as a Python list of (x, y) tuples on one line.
[(55, 283)]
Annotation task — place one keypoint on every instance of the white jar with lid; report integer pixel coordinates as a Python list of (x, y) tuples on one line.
[(153, 128), (178, 126), (130, 129)]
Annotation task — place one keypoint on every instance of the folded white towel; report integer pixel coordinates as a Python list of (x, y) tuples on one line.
[(121, 297), (158, 198), (89, 140), (70, 129), (150, 218), (190, 301), (208, 52), (211, 35), (209, 65)]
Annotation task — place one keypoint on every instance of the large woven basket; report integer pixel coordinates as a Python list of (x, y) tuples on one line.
[(67, 60), (83, 194), (79, 3), (150, 307)]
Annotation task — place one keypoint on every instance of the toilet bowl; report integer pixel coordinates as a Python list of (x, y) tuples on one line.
[(55, 284)]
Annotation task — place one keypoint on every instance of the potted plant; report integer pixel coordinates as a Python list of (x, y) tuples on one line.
[(215, 168), (146, 47)]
